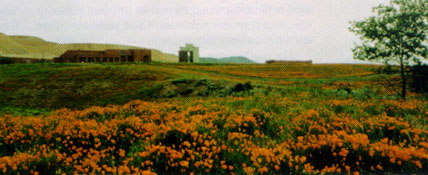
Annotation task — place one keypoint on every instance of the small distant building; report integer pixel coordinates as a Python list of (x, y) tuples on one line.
[(288, 62), (87, 56), (188, 54)]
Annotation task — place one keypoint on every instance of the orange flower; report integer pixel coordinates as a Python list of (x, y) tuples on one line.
[(187, 144), (343, 152), (308, 168), (302, 159), (121, 153), (224, 166), (371, 153), (184, 164), (418, 164), (230, 167), (196, 164), (348, 168)]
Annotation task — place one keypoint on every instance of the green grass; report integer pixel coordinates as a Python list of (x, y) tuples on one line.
[(45, 86), (74, 86)]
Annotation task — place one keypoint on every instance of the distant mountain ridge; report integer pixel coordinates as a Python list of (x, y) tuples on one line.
[(232, 59)]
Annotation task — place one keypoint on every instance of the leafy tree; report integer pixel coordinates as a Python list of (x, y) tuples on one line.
[(396, 35)]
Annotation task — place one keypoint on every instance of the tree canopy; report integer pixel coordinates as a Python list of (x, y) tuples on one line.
[(397, 34)]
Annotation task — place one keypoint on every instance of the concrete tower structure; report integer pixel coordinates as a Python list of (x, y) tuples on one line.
[(189, 54)]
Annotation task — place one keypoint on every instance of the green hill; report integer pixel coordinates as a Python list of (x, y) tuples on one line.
[(35, 47), (9, 45), (233, 59)]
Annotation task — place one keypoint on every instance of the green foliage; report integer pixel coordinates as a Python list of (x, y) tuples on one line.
[(398, 34), (56, 86), (23, 111), (152, 91), (398, 31), (239, 87), (33, 89), (366, 93), (6, 61), (388, 69), (195, 88), (419, 81)]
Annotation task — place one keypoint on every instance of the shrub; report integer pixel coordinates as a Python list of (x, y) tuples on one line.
[(365, 93), (6, 61), (182, 81), (43, 61), (419, 80), (388, 69), (152, 91), (239, 87)]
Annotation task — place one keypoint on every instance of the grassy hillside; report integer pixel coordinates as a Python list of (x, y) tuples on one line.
[(9, 46), (233, 60), (31, 41), (77, 86), (34, 47), (208, 119)]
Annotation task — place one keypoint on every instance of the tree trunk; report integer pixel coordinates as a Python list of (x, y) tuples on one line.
[(403, 79)]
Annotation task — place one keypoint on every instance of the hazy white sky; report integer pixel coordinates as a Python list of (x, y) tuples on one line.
[(259, 29)]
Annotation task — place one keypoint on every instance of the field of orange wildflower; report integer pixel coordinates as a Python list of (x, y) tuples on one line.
[(225, 135)]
